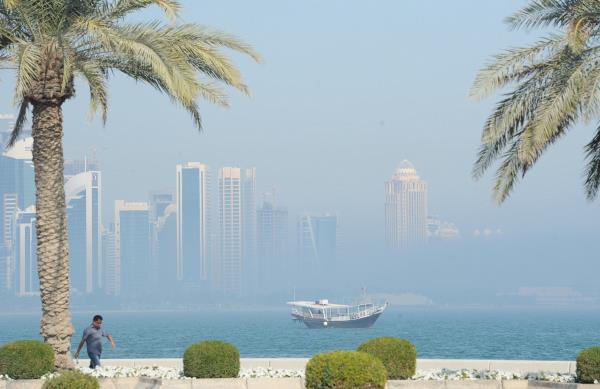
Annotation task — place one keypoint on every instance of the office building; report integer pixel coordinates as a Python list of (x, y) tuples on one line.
[(405, 208), (132, 244), (193, 222), (84, 220), (317, 239)]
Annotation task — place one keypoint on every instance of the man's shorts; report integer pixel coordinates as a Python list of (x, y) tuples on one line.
[(94, 360)]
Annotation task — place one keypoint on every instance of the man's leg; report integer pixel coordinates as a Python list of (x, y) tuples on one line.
[(94, 360)]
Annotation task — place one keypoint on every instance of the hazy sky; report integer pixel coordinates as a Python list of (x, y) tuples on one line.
[(347, 90)]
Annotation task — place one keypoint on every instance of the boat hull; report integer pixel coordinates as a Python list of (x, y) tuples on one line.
[(363, 322)]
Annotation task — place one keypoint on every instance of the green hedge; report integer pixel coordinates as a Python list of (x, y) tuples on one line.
[(72, 380), (588, 365), (399, 356), (211, 359), (26, 359), (345, 370)]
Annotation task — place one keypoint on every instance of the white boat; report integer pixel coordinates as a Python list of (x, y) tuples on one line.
[(322, 314)]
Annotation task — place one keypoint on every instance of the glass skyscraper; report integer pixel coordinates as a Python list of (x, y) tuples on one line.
[(317, 239), (132, 243), (25, 256), (83, 194), (193, 222), (17, 192)]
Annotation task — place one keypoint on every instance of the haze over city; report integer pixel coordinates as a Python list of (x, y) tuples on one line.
[(326, 128)]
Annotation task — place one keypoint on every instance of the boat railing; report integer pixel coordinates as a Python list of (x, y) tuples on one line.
[(359, 314)]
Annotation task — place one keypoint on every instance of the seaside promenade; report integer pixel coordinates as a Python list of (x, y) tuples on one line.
[(563, 367)]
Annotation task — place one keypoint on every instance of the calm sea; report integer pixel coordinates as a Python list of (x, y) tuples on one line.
[(437, 333)]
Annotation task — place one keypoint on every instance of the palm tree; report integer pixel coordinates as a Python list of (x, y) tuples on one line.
[(50, 42), (556, 84)]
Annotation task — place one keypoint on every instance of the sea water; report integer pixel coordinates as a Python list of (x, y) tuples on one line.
[(543, 334)]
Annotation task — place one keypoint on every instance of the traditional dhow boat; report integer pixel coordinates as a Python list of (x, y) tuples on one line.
[(322, 314)]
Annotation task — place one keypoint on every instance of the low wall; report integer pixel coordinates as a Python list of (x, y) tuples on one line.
[(296, 383), (562, 367)]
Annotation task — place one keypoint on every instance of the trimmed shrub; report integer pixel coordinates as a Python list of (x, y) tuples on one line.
[(211, 359), (345, 370), (72, 380), (26, 359), (399, 356), (588, 365)]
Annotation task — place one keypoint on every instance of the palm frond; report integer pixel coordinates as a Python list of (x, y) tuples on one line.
[(121, 8), (514, 65), (27, 58), (19, 123), (543, 13), (95, 76), (592, 172)]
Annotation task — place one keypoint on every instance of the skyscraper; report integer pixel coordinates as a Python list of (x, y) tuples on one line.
[(193, 222), (111, 271), (132, 243), (317, 239), (25, 256), (231, 227), (84, 215), (17, 192), (272, 223), (249, 261), (272, 233), (405, 208), (166, 246)]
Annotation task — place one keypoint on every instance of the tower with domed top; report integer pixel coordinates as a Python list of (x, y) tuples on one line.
[(405, 208)]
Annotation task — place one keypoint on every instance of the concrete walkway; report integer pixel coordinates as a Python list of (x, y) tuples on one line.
[(422, 364)]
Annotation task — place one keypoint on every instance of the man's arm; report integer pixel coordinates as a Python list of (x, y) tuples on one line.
[(80, 346), (111, 340)]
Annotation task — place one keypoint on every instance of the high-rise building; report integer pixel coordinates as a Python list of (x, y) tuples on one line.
[(159, 201), (249, 261), (111, 271), (166, 246), (405, 208), (84, 216), (272, 229), (75, 166), (17, 191), (25, 256), (317, 239), (193, 222), (231, 228), (272, 233), (132, 244)]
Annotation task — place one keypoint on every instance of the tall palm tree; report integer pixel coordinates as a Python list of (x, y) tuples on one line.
[(50, 42), (556, 84)]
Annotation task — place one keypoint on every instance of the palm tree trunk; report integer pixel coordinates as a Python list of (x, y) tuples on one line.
[(51, 224)]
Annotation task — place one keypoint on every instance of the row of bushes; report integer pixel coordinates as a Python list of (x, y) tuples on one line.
[(374, 362)]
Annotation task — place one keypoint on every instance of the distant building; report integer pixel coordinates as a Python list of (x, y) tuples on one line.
[(317, 239), (73, 167), (193, 222), (440, 229), (111, 271), (25, 256), (132, 242), (166, 246), (84, 216), (231, 229), (272, 223), (17, 191), (249, 261), (159, 201), (272, 234), (405, 208)]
